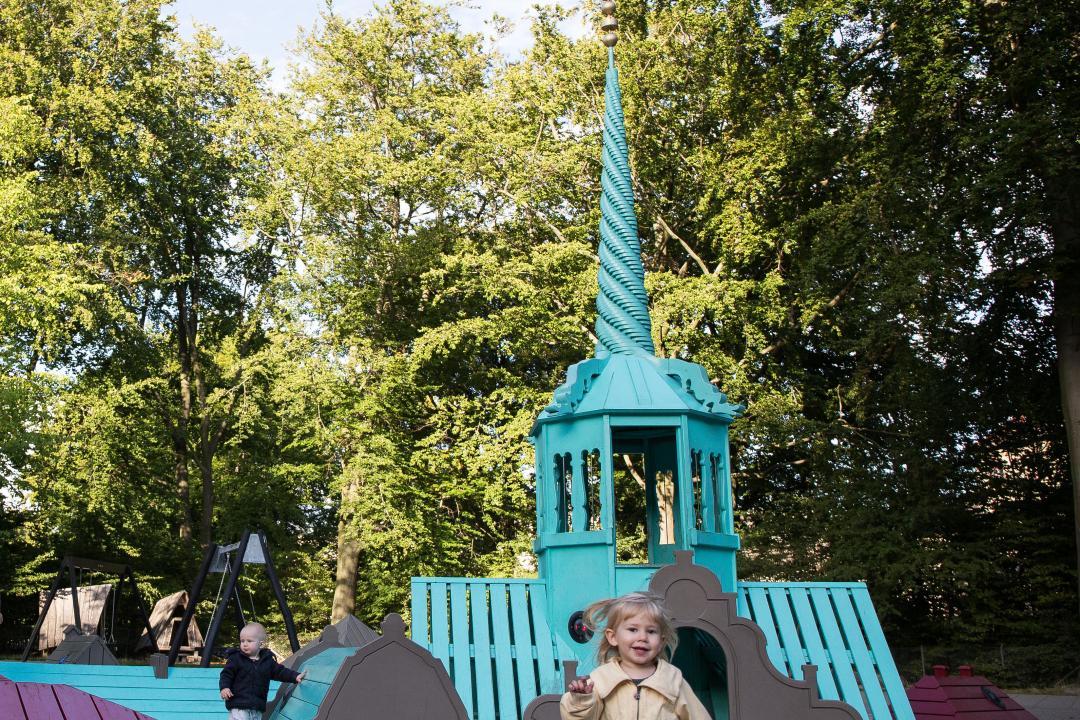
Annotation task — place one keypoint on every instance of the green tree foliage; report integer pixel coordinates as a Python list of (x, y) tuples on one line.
[(141, 278), (334, 314), (440, 294)]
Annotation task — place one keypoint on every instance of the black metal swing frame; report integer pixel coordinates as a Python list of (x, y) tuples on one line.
[(68, 566), (236, 568)]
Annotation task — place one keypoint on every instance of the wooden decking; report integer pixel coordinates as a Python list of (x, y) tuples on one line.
[(187, 694), (29, 701)]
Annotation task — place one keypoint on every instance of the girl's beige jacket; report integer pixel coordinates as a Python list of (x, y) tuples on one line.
[(664, 695)]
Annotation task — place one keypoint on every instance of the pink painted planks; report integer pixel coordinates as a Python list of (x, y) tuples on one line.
[(112, 711), (9, 700), (77, 703), (42, 701), (39, 702)]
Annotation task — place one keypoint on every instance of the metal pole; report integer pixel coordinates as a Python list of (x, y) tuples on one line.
[(75, 599), (238, 611), (189, 611), (142, 609), (215, 625), (290, 627)]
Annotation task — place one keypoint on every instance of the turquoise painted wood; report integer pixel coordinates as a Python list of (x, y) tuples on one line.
[(890, 676), (833, 626), (795, 653), (494, 640), (504, 659), (187, 694), (761, 613), (815, 649), (482, 647), (303, 703), (461, 649), (503, 642)]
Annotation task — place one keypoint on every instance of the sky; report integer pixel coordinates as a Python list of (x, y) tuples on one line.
[(264, 28)]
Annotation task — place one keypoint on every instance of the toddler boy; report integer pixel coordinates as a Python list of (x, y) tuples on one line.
[(245, 679)]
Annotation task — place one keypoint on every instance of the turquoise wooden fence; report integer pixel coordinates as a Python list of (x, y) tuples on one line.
[(493, 637), (833, 626), (187, 694)]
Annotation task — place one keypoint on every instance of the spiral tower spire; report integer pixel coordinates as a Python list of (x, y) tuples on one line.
[(622, 323)]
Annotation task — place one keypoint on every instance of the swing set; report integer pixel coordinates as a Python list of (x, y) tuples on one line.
[(73, 569), (229, 561)]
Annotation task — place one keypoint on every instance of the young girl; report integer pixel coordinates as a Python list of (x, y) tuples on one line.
[(632, 681)]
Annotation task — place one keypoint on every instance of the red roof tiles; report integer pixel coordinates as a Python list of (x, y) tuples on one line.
[(965, 696)]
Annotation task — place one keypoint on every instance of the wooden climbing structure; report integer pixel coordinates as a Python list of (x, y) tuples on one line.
[(632, 469)]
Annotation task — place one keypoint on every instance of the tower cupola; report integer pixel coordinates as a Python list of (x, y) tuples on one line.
[(632, 458)]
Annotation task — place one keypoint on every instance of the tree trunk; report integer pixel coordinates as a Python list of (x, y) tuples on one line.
[(181, 450), (345, 584), (1064, 197), (1067, 321), (206, 473), (207, 449), (183, 483)]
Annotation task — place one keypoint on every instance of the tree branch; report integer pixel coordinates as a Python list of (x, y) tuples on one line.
[(836, 300), (689, 250)]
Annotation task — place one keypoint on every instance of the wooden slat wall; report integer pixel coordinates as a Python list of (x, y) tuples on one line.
[(187, 694), (493, 637), (61, 615), (163, 619), (833, 626)]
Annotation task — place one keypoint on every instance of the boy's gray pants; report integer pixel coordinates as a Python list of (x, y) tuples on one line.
[(244, 714)]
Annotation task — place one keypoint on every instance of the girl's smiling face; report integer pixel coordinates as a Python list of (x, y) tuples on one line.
[(638, 640)]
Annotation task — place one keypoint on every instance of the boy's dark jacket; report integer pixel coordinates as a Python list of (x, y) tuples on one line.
[(249, 679)]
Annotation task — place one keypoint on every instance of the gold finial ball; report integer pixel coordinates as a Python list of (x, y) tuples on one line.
[(609, 38)]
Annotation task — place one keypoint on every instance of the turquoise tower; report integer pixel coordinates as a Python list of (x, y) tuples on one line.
[(632, 465), (632, 458)]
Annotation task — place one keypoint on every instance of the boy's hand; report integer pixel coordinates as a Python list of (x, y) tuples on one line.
[(581, 686), (226, 694), (301, 676)]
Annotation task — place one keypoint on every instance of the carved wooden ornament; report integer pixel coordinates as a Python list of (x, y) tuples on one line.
[(392, 677), (756, 689)]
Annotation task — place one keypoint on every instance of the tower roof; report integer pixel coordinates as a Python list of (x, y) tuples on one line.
[(637, 384), (626, 376), (623, 326)]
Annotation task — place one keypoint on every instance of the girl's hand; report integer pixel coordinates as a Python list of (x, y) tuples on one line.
[(226, 694), (301, 676), (581, 686)]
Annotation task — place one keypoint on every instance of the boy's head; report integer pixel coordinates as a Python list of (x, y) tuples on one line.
[(252, 638)]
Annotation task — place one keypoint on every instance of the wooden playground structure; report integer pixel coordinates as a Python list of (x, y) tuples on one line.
[(624, 423)]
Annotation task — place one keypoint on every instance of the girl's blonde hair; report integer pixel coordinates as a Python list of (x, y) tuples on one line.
[(612, 612)]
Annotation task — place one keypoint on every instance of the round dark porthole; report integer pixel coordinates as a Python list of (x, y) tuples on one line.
[(581, 632)]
